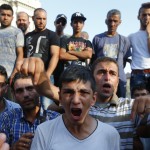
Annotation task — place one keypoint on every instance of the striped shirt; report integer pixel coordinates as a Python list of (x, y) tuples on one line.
[(14, 124), (118, 114)]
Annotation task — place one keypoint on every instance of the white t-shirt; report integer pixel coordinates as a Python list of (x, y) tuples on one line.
[(53, 135), (140, 52)]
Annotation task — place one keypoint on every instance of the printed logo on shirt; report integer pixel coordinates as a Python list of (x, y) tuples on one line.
[(111, 50)]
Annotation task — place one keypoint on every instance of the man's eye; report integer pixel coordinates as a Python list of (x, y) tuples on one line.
[(30, 88), (19, 90)]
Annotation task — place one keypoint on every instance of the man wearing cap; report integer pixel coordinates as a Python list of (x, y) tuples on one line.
[(75, 49), (60, 24)]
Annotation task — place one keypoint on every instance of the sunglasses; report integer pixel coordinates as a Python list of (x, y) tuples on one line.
[(63, 23)]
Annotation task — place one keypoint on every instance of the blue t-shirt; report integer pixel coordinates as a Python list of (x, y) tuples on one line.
[(117, 47)]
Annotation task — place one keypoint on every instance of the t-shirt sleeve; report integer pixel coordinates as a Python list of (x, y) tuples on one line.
[(20, 39), (89, 44), (63, 42), (54, 39)]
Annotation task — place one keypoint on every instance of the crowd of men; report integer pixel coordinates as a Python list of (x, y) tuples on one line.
[(85, 82)]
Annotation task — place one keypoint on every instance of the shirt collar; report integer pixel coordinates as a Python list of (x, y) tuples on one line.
[(113, 102)]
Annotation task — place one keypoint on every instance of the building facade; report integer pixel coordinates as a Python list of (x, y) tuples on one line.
[(27, 6)]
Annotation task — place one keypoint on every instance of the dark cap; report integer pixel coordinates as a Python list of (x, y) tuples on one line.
[(61, 16), (78, 15)]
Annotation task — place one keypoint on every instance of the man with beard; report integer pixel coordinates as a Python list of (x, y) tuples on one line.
[(113, 110), (23, 21), (111, 44), (20, 124), (110, 109), (76, 126), (43, 43)]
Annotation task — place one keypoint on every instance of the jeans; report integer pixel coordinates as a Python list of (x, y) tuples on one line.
[(121, 92)]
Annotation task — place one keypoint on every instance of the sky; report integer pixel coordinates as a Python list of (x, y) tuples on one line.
[(95, 11)]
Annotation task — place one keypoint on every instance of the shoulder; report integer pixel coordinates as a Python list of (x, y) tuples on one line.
[(125, 102), (30, 33), (12, 114), (99, 37), (51, 114), (12, 104), (50, 32), (50, 124), (108, 129)]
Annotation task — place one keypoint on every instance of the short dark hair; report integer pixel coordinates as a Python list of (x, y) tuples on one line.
[(6, 7), (77, 72), (114, 12), (3, 72), (140, 86), (17, 76), (103, 59), (143, 6)]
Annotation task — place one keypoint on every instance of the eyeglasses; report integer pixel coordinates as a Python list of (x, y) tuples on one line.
[(63, 23)]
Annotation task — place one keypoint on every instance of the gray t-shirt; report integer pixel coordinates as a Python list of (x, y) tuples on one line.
[(53, 135), (10, 38)]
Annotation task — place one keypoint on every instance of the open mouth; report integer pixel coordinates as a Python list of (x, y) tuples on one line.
[(76, 111), (106, 85)]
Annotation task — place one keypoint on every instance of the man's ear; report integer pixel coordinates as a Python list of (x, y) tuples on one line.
[(93, 101), (33, 18)]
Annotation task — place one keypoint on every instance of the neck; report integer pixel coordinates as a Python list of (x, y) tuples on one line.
[(59, 33), (32, 114), (110, 34), (38, 30), (81, 130), (3, 27), (103, 99), (77, 34)]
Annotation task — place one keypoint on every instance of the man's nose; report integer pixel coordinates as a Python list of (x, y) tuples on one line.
[(25, 93), (76, 98), (107, 76)]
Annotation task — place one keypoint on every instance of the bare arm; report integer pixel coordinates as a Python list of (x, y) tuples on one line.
[(54, 51), (19, 57), (67, 56), (84, 54)]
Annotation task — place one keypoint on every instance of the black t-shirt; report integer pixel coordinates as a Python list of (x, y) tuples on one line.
[(38, 44), (77, 43)]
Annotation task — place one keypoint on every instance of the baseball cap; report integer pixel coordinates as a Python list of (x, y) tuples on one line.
[(61, 16), (78, 15)]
